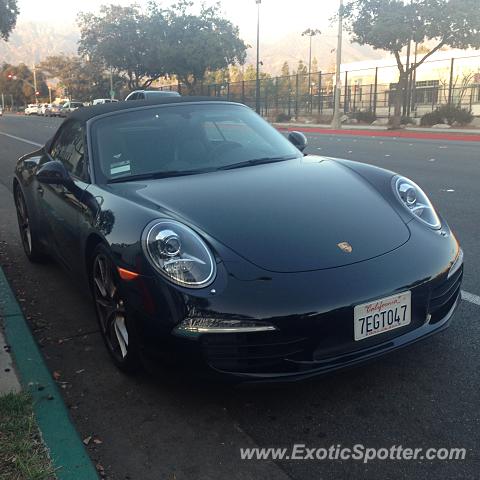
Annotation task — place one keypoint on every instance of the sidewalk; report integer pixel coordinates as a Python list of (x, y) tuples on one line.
[(8, 377), (422, 133)]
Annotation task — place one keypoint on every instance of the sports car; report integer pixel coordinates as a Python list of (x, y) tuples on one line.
[(208, 238)]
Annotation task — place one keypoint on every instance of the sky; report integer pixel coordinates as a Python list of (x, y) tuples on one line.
[(278, 17)]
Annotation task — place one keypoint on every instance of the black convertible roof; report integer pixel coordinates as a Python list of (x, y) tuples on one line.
[(86, 113)]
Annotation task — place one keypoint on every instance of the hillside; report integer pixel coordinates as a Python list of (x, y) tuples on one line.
[(34, 41)]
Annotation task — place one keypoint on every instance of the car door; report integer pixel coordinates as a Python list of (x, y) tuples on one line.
[(62, 205)]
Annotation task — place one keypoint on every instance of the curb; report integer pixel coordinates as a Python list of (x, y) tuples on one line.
[(459, 137), (67, 452)]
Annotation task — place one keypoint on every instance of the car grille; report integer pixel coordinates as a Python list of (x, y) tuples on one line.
[(444, 296), (250, 352)]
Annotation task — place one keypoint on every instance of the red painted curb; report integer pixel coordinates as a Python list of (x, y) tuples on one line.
[(459, 137)]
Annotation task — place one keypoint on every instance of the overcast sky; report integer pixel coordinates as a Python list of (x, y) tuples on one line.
[(279, 17)]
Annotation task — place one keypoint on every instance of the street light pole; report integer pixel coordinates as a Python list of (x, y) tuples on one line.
[(257, 86), (310, 33), (336, 114)]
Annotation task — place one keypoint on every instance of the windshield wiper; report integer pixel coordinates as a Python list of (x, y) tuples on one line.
[(257, 161), (150, 176)]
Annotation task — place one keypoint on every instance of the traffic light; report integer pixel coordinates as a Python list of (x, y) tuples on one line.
[(9, 75), (37, 93)]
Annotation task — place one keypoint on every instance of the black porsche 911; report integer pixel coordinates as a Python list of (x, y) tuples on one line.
[(205, 235)]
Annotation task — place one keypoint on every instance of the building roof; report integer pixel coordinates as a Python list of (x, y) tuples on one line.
[(86, 113)]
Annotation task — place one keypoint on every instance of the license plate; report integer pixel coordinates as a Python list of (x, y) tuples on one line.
[(382, 315)]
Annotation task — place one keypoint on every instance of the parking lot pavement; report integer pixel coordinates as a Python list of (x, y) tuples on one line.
[(171, 427)]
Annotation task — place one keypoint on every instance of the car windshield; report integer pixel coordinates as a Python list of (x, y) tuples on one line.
[(184, 139)]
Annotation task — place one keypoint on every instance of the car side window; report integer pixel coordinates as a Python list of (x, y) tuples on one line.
[(68, 148), (140, 96), (133, 97)]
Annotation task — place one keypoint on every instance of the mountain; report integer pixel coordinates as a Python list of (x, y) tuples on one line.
[(32, 42), (293, 47)]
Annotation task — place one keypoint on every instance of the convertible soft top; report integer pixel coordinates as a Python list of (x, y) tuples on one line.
[(86, 113)]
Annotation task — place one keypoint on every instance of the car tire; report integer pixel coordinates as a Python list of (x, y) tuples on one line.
[(115, 325), (30, 241)]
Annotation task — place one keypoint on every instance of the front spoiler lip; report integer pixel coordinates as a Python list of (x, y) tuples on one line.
[(324, 367)]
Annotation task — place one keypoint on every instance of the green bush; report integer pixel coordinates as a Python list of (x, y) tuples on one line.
[(282, 117), (366, 116), (447, 114), (405, 120)]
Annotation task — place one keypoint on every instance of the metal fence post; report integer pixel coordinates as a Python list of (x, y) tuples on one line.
[(296, 94), (320, 102), (276, 94), (345, 100), (450, 85), (228, 91), (375, 92)]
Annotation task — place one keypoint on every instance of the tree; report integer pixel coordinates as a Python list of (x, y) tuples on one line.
[(126, 40), (285, 69), (8, 17), (392, 25), (16, 82), (82, 80), (200, 43)]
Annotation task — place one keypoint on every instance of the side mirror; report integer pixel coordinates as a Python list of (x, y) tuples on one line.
[(54, 172), (298, 139)]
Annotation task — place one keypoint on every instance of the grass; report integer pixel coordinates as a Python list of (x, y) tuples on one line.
[(22, 454)]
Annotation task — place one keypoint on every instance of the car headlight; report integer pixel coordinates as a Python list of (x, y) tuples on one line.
[(179, 254), (416, 201)]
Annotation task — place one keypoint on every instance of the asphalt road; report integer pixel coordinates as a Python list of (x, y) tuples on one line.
[(167, 427)]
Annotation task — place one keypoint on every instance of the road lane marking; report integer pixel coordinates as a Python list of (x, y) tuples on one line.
[(20, 139), (470, 297)]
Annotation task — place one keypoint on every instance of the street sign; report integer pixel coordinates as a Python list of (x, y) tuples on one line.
[(112, 93)]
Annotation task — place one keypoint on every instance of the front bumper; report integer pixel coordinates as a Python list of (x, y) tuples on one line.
[(313, 313)]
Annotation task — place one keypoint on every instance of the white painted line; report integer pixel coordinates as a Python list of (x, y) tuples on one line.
[(470, 297), (20, 139)]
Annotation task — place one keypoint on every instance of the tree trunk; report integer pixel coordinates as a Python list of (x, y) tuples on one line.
[(395, 122)]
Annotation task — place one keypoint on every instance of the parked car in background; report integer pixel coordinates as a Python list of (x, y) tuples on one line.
[(151, 94), (43, 108), (69, 106), (101, 101), (53, 110), (32, 109)]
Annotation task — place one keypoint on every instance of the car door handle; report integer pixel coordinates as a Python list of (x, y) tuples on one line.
[(40, 190)]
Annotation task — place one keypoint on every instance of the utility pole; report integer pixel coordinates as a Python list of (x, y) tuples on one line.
[(336, 114), (35, 83), (257, 86), (112, 93)]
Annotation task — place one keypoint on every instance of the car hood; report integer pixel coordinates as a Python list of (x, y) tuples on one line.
[(289, 216)]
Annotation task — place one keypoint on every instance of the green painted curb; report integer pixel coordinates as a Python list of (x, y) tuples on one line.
[(67, 451)]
